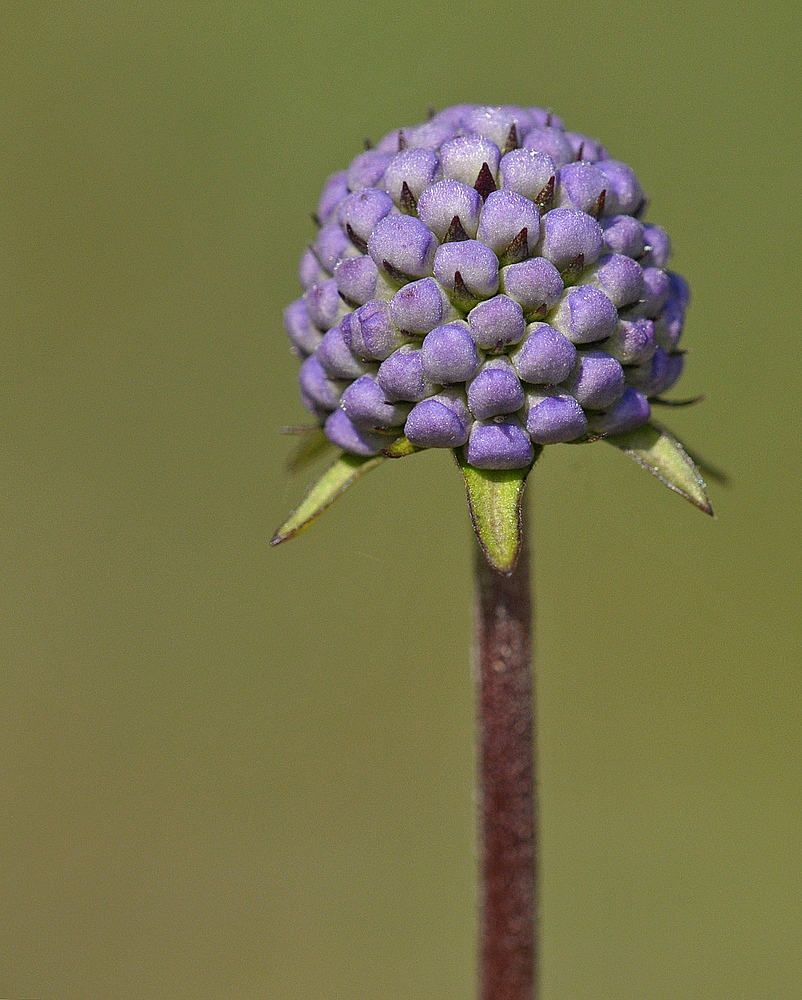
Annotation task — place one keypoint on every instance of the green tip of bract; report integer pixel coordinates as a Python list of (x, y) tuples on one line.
[(333, 483), (657, 450), (494, 500)]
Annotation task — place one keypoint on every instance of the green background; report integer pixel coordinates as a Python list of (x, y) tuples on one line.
[(230, 771)]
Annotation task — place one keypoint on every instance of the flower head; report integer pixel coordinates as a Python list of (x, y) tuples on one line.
[(485, 281)]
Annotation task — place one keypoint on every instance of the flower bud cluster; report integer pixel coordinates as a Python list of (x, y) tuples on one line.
[(485, 280)]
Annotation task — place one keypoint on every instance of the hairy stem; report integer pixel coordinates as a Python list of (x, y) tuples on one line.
[(508, 877)]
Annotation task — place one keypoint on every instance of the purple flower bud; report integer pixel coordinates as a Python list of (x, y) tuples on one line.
[(658, 245), (668, 326), (442, 421), (624, 193), (580, 185), (392, 142), (526, 171), (658, 374), (545, 356), (362, 210), (368, 407), (542, 118), (359, 280), (552, 142), (590, 149), (420, 306), (331, 245), (554, 417), (499, 444), (619, 277), (476, 265), (505, 216), (334, 190), (444, 201), (679, 288), (496, 323), (656, 286), (367, 169), (401, 376), (623, 234), (495, 390), (317, 385), (430, 135), (374, 336), (336, 358), (463, 158), (494, 123), (536, 284), (449, 354), (630, 411), (309, 270), (405, 244), (342, 432), (324, 305), (633, 342), (568, 236), (302, 332), (585, 315), (596, 381), (455, 115), (417, 168)]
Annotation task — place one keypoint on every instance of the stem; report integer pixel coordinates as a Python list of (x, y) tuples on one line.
[(503, 641)]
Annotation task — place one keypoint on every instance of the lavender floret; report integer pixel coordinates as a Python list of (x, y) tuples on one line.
[(630, 411), (469, 269), (403, 245), (401, 376), (552, 142), (496, 323), (317, 386), (415, 168), (624, 194), (510, 224), (554, 417), (303, 333), (535, 284), (446, 201), (658, 245), (442, 421), (346, 435), (374, 336), (619, 277), (361, 211), (335, 356), (367, 407), (623, 234), (499, 444), (420, 306), (585, 315), (581, 185), (545, 356), (449, 354), (596, 380), (570, 238), (463, 158), (495, 390), (527, 172), (324, 305)]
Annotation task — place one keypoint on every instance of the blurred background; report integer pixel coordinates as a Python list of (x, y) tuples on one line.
[(230, 771)]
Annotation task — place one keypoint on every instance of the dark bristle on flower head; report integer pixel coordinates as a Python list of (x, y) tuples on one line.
[(509, 279)]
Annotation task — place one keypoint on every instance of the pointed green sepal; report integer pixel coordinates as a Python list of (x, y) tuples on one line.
[(401, 448), (657, 450), (313, 445), (494, 500), (333, 483)]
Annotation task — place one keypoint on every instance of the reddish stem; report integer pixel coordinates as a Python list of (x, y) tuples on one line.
[(507, 782)]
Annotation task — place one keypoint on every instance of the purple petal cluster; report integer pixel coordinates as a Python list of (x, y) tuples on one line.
[(485, 280)]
